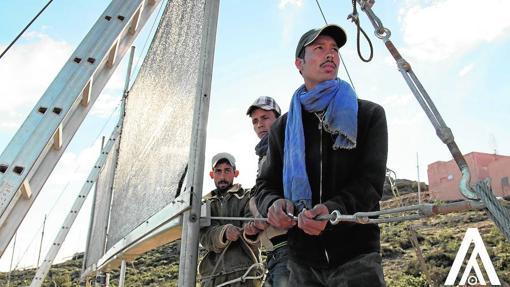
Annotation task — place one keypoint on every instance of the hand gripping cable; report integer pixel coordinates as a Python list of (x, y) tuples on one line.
[(399, 214)]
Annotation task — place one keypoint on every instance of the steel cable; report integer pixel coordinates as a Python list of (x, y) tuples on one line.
[(498, 213), (355, 19), (24, 29)]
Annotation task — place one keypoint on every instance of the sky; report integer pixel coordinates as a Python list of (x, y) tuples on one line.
[(457, 49)]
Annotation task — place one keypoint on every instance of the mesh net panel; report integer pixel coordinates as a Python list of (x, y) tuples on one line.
[(156, 136), (104, 183)]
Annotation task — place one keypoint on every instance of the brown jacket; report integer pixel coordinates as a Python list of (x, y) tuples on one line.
[(226, 260)]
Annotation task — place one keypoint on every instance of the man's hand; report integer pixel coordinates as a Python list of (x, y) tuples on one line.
[(277, 214), (250, 228), (260, 224), (232, 233), (308, 224)]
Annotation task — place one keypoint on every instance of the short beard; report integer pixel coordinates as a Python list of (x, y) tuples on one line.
[(229, 185)]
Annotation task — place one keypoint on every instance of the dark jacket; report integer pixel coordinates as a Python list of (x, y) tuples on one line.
[(240, 254), (352, 182)]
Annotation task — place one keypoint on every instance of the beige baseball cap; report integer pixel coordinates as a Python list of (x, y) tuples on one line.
[(223, 155)]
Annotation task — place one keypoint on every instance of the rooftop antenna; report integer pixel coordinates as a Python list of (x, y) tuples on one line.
[(418, 174), (12, 257), (40, 244), (493, 144)]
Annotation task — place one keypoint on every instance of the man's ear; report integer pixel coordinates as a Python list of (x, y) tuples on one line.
[(299, 63), (211, 174), (236, 173)]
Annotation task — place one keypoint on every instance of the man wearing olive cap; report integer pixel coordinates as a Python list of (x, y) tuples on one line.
[(327, 153)]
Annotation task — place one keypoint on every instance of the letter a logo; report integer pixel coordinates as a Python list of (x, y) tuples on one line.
[(472, 235)]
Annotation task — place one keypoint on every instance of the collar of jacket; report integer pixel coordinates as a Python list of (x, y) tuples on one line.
[(234, 189)]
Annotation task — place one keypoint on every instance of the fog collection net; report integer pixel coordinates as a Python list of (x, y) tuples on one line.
[(155, 141)]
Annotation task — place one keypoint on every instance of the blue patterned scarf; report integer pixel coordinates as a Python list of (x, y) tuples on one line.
[(338, 100)]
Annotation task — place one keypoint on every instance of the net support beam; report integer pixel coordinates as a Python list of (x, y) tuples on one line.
[(35, 149), (190, 220)]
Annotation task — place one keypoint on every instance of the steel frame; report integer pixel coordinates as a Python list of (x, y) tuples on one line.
[(37, 146)]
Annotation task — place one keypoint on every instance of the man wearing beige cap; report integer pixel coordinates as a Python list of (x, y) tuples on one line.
[(327, 153), (230, 252)]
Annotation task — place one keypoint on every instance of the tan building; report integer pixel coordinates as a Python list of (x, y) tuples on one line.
[(444, 176)]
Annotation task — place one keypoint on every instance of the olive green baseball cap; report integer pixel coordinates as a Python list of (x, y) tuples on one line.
[(335, 31)]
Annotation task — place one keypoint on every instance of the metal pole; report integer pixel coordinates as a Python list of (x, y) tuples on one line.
[(126, 83), (190, 218), (122, 277), (418, 172), (40, 244), (130, 67), (12, 257), (413, 236)]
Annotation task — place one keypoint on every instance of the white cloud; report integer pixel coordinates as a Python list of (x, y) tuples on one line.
[(105, 105), (74, 167), (108, 101), (28, 69), (466, 70), (397, 101), (25, 73), (283, 3), (290, 11), (451, 28)]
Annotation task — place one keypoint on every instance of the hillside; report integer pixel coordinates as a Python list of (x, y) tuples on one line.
[(439, 239)]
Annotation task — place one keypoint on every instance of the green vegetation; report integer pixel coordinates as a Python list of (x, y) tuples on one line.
[(438, 237)]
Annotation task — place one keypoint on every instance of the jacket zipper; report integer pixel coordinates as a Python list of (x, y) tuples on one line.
[(320, 116)]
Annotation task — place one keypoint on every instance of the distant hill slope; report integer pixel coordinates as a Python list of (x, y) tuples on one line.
[(439, 239)]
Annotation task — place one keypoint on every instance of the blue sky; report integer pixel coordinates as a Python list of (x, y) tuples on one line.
[(457, 48)]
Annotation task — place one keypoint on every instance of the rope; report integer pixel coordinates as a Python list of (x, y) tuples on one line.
[(499, 214), (392, 178), (26, 27), (354, 17), (245, 276), (220, 258)]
